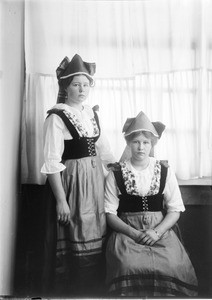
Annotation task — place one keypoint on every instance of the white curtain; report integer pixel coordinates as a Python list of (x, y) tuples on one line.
[(151, 55)]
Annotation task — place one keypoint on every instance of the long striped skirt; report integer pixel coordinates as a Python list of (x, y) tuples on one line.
[(75, 265), (163, 269)]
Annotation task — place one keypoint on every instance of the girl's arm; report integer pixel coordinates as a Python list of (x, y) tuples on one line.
[(147, 237), (174, 206), (111, 206), (52, 167), (173, 203), (104, 149), (152, 235), (62, 208), (168, 222), (119, 226)]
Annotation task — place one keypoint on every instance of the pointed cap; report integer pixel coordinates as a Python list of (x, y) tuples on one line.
[(68, 68), (142, 123), (76, 66)]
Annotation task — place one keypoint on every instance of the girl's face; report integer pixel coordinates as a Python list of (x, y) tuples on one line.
[(140, 147), (78, 89)]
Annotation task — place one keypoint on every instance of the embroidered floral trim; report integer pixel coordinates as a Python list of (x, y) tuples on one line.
[(80, 128), (129, 179), (155, 184), (95, 127), (130, 182)]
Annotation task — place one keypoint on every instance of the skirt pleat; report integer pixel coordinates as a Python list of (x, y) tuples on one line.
[(77, 254), (163, 269)]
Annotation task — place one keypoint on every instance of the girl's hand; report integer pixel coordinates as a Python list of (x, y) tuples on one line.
[(148, 237), (63, 212), (62, 208)]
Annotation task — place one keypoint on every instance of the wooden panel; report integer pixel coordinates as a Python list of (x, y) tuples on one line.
[(196, 195)]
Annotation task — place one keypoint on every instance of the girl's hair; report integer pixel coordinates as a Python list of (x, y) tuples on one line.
[(64, 83), (147, 134)]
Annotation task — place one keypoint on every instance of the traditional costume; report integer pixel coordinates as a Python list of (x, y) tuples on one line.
[(76, 147), (140, 199)]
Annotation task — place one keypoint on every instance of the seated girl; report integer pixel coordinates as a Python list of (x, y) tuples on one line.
[(144, 256)]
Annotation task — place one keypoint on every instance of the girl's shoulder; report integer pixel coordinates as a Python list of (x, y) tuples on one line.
[(88, 110)]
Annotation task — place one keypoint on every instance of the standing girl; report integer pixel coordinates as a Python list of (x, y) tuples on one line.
[(75, 150)]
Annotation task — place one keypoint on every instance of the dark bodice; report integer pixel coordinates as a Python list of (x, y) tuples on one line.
[(134, 203), (77, 147)]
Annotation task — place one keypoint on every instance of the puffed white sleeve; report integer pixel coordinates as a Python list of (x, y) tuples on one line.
[(53, 145), (104, 150), (172, 195), (111, 194)]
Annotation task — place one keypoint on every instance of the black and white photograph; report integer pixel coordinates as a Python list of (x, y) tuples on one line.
[(106, 149)]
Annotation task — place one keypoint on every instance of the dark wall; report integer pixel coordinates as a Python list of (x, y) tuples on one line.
[(195, 225), (30, 234), (196, 229)]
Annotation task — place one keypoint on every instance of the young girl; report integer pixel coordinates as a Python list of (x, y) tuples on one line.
[(144, 257), (75, 149)]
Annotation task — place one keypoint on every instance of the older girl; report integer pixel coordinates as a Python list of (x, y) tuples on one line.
[(75, 149)]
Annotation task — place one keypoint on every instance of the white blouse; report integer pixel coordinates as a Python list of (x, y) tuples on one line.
[(55, 132), (172, 196)]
